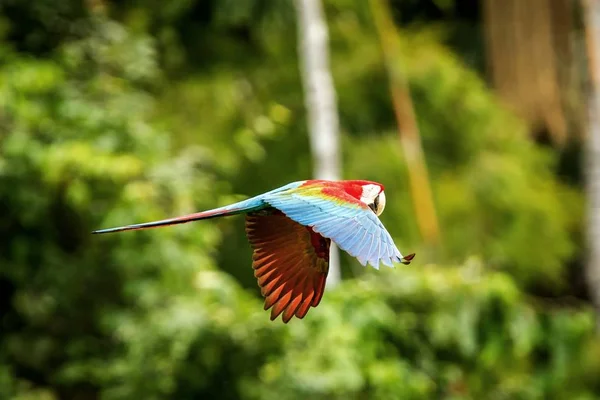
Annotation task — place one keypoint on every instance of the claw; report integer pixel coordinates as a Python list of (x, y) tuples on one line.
[(407, 259)]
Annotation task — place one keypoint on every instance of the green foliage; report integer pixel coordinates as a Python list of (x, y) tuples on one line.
[(434, 333), (76, 141)]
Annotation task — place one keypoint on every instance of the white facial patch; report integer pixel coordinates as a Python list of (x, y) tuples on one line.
[(369, 193)]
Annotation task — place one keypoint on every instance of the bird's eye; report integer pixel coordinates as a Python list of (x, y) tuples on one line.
[(378, 204)]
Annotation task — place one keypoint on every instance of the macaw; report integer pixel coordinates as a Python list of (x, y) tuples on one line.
[(290, 230)]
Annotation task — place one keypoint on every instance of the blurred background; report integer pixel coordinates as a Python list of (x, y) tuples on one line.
[(472, 113)]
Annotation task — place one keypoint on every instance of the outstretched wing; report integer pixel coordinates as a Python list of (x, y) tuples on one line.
[(290, 262), (340, 217)]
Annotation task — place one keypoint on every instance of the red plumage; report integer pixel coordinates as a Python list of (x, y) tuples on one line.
[(290, 263), (335, 188)]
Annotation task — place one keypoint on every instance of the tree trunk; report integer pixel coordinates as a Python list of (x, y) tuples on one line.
[(529, 59), (320, 101), (592, 146)]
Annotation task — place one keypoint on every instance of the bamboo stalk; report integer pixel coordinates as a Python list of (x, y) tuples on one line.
[(420, 188)]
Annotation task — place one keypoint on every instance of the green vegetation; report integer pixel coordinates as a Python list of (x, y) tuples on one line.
[(163, 108)]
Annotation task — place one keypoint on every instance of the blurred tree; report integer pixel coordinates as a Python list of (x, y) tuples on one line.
[(320, 100), (592, 18), (532, 64)]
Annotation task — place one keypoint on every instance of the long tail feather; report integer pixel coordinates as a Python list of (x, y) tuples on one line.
[(252, 204)]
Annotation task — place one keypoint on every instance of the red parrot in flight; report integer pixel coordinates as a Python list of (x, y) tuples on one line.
[(290, 230)]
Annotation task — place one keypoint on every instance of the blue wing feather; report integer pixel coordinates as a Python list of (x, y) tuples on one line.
[(351, 225)]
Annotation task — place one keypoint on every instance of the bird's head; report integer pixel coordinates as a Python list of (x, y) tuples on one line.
[(374, 197)]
